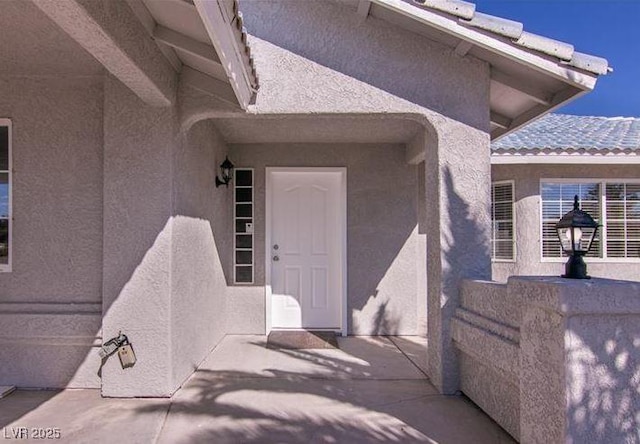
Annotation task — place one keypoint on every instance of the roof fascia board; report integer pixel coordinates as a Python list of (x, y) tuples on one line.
[(571, 76), (589, 159), (111, 33), (216, 21)]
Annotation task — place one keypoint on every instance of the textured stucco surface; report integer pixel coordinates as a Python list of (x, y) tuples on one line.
[(57, 195), (138, 149), (305, 68), (382, 235), (527, 213), (112, 34), (498, 396), (201, 250), (570, 374), (486, 330), (167, 243), (50, 302), (579, 357), (34, 45), (304, 64)]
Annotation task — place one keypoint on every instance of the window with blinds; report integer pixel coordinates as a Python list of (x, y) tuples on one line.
[(502, 237), (557, 200), (614, 205), (623, 220)]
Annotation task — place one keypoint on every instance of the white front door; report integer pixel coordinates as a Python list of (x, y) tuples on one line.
[(305, 249)]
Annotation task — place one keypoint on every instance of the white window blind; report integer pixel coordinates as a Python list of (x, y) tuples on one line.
[(615, 205), (557, 200), (502, 237), (623, 220)]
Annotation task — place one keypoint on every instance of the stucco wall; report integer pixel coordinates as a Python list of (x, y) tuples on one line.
[(50, 302), (321, 57), (527, 213), (138, 150), (382, 233), (166, 243), (486, 331), (552, 359), (201, 250)]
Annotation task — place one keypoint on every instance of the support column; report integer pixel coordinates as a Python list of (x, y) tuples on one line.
[(139, 144), (458, 199)]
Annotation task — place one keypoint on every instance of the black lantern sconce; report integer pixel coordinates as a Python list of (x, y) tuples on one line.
[(226, 171), (576, 231)]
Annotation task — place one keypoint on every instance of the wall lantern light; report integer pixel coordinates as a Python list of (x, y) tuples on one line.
[(226, 171), (576, 231)]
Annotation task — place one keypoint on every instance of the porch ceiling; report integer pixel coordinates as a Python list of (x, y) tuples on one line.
[(317, 129), (207, 48)]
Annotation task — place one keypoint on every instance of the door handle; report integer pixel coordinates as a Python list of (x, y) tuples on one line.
[(276, 258), (275, 247)]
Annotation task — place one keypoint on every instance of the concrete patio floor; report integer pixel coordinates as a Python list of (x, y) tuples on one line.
[(370, 390)]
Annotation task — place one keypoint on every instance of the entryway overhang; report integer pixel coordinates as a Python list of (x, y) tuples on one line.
[(531, 75), (152, 46)]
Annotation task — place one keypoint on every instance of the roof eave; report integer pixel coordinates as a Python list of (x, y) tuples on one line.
[(528, 158), (574, 77), (229, 40)]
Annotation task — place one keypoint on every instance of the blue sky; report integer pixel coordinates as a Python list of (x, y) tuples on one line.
[(606, 28)]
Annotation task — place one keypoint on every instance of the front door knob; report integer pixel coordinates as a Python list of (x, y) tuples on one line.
[(276, 258), (275, 247)]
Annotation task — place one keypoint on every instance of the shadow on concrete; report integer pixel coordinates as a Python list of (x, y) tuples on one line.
[(14, 407), (352, 405)]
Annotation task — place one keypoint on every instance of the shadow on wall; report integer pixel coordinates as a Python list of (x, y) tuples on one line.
[(606, 395), (464, 234)]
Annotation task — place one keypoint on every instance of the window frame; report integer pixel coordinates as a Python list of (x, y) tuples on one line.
[(236, 233), (513, 221), (8, 267), (602, 229)]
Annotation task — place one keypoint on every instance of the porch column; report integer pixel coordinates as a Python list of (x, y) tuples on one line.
[(458, 198), (139, 144)]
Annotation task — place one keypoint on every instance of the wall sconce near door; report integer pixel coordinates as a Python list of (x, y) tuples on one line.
[(226, 172), (576, 231)]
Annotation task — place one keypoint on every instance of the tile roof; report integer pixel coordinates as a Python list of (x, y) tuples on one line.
[(514, 31), (555, 133)]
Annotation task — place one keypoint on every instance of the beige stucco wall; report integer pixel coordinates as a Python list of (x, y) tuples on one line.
[(382, 233), (552, 359), (527, 214), (50, 303), (353, 67), (167, 243), (322, 58), (201, 249)]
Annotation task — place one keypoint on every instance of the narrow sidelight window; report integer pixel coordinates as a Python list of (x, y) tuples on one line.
[(5, 195), (243, 263)]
